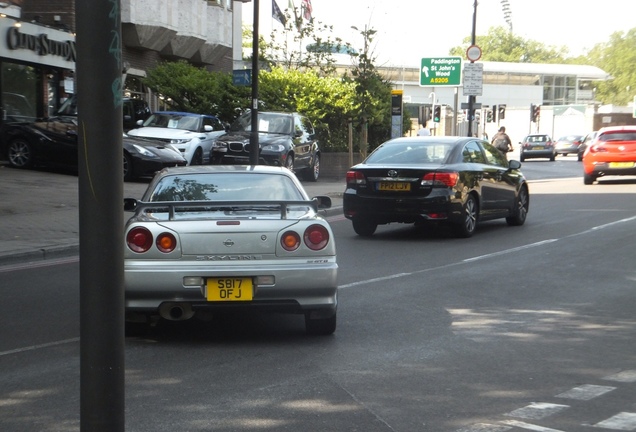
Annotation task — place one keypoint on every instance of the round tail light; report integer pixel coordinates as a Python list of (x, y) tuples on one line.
[(316, 237), (139, 239), (166, 242), (290, 241)]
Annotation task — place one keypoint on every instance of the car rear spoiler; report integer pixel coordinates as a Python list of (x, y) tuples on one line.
[(131, 204)]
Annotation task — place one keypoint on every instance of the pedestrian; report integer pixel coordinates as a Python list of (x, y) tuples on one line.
[(502, 141), (423, 131)]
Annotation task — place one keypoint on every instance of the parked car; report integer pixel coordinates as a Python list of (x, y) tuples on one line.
[(612, 153), (589, 138), (568, 144), (537, 146), (193, 134), (285, 139), (222, 238), (457, 181), (52, 142), (16, 107)]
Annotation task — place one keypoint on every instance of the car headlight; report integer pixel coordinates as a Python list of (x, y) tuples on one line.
[(180, 141), (278, 148), (144, 151)]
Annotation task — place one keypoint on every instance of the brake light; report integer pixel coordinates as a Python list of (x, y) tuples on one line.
[(290, 241), (139, 239), (447, 179), (316, 237), (597, 148), (356, 177), (166, 242)]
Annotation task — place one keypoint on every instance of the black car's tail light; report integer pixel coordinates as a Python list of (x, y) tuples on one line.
[(139, 239), (316, 237), (444, 179), (356, 178), (290, 241), (166, 242)]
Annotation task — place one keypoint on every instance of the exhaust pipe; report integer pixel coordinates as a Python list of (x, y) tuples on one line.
[(174, 311)]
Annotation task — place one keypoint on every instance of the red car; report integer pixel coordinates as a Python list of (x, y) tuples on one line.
[(612, 153)]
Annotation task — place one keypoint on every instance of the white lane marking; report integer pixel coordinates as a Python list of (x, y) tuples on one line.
[(586, 392), (627, 376), (600, 227), (622, 421), (34, 347), (38, 264), (507, 251), (537, 410), (528, 426), (484, 427)]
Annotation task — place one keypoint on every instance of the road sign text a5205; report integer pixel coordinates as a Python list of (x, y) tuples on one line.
[(441, 71)]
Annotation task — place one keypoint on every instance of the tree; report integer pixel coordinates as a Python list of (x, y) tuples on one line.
[(616, 57), (503, 46), (197, 90)]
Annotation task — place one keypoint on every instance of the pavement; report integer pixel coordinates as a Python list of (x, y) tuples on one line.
[(39, 211)]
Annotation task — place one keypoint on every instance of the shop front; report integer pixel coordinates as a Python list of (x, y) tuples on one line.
[(37, 66)]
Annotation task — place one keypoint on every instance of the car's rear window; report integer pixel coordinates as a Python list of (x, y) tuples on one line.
[(617, 136), (537, 138), (225, 187), (409, 153)]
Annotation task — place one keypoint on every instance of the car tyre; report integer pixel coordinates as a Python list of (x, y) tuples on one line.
[(197, 158), (320, 326), (313, 172), (467, 227), (289, 162), (128, 167), (20, 154), (580, 157), (364, 228), (588, 179), (521, 158), (521, 209), (552, 158)]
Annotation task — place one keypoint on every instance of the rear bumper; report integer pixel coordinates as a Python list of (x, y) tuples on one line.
[(297, 288)]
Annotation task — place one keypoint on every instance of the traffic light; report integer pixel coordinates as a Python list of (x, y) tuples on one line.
[(531, 112), (537, 113), (437, 113), (489, 118), (502, 111), (494, 113)]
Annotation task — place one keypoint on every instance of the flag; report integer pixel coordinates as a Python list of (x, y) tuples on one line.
[(277, 14), (297, 19), (306, 8)]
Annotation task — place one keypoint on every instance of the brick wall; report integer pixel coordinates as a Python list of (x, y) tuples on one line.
[(46, 12)]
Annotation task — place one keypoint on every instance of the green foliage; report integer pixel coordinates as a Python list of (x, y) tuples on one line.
[(503, 46), (327, 101), (616, 57), (197, 90)]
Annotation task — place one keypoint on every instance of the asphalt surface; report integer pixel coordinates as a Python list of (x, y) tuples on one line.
[(39, 211)]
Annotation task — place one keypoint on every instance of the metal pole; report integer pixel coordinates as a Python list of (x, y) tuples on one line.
[(472, 98), (254, 146), (100, 169)]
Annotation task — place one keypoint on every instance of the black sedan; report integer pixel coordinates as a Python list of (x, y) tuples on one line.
[(52, 143), (453, 180)]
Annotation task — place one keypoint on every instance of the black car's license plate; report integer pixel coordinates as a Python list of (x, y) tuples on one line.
[(394, 186), (230, 289)]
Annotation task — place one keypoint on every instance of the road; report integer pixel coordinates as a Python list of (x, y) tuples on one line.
[(517, 328)]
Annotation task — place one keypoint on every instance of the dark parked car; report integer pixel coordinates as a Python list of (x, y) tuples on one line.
[(285, 139), (587, 141), (537, 146), (417, 180), (568, 144), (52, 142)]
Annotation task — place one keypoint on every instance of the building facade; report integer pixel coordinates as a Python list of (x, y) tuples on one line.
[(37, 47)]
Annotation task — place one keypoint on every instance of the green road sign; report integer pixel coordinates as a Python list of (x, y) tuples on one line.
[(441, 71)]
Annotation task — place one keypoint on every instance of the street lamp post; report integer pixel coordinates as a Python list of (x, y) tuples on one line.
[(472, 98)]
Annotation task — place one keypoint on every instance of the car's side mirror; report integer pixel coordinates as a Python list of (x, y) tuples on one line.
[(298, 133), (208, 128), (514, 165), (140, 122), (130, 204), (323, 201)]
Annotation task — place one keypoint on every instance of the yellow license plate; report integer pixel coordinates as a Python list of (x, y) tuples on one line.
[(230, 289), (538, 148), (621, 164), (394, 186)]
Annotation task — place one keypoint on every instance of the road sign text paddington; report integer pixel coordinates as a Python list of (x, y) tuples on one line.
[(442, 71)]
